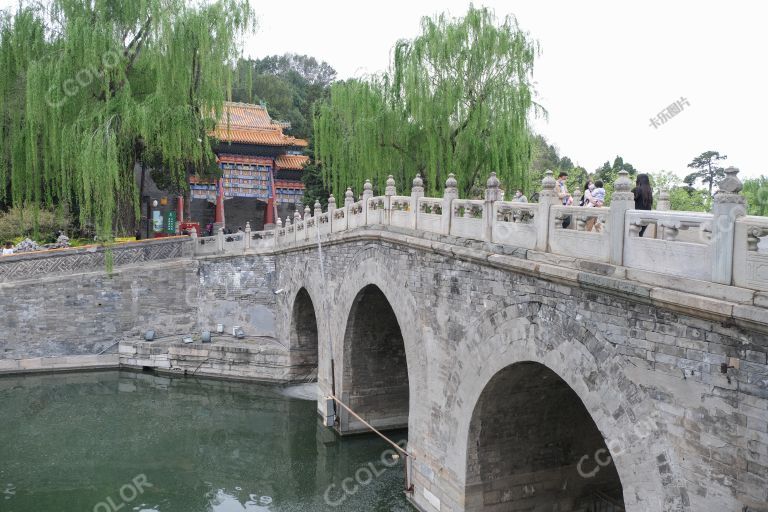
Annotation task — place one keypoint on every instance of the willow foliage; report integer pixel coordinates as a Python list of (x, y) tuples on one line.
[(456, 99), (91, 87)]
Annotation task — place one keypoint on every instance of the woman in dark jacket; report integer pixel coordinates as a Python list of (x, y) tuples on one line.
[(643, 196)]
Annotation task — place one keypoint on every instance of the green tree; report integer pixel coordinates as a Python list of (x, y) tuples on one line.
[(315, 189), (707, 169), (89, 89), (456, 99), (690, 199), (756, 192), (664, 180), (289, 85), (608, 173)]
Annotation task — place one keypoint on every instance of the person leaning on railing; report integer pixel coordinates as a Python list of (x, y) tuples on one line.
[(8, 249), (565, 197), (643, 196)]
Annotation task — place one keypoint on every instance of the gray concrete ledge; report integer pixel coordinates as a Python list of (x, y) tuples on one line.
[(58, 364)]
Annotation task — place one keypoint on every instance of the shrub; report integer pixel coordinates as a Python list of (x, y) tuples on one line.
[(41, 225)]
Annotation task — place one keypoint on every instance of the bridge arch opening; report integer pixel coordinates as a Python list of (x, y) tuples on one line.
[(303, 338), (375, 378), (533, 446)]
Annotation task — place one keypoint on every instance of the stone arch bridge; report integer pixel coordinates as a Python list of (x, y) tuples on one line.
[(559, 379), (538, 364)]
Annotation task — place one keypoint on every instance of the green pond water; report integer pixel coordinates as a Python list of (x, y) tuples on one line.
[(123, 441)]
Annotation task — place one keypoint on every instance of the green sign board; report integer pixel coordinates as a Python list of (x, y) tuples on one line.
[(170, 223)]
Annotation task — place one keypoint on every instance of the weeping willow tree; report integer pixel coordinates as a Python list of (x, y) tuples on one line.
[(457, 99), (90, 88)]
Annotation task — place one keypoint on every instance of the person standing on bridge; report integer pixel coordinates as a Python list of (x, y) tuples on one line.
[(643, 196), (565, 197)]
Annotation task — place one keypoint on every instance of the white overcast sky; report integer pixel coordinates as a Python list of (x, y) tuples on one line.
[(606, 68)]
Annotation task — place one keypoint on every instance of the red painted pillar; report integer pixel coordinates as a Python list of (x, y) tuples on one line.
[(180, 209), (220, 202), (271, 207), (269, 218)]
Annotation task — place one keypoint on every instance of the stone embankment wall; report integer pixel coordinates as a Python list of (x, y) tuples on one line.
[(74, 318)]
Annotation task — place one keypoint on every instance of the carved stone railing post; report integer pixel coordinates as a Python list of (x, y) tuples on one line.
[(663, 204), (451, 193), (349, 198), (547, 198), (389, 191), (492, 194), (292, 236), (331, 211), (577, 196), (298, 236), (728, 206), (247, 236), (417, 191), (623, 199), (278, 227), (220, 240), (307, 216), (318, 211), (367, 195)]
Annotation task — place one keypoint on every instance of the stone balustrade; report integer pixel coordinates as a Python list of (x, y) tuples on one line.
[(750, 255), (676, 243), (725, 246), (682, 244)]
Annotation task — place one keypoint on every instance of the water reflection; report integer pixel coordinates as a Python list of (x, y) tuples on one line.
[(71, 442)]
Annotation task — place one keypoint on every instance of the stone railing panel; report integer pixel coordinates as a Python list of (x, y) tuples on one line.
[(586, 233), (234, 243), (324, 223), (263, 239), (84, 259), (750, 254), (290, 233), (356, 215), (205, 245), (676, 243), (310, 228), (515, 223), (377, 210), (430, 214), (401, 212), (301, 232), (467, 218), (339, 221), (280, 235)]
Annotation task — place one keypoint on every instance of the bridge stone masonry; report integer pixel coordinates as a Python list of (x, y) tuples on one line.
[(520, 354), (536, 367)]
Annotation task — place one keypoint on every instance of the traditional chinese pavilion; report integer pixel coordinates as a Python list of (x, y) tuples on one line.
[(261, 171)]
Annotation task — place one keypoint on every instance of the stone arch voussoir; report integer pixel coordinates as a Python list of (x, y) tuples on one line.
[(373, 266), (595, 372)]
